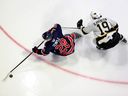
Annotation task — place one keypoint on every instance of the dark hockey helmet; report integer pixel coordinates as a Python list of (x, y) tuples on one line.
[(47, 35)]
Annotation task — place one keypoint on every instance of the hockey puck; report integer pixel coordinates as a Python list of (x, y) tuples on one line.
[(10, 75)]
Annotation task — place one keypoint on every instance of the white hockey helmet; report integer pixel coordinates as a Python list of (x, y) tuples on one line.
[(95, 15)]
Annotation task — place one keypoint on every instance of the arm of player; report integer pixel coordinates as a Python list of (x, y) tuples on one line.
[(85, 30), (40, 51)]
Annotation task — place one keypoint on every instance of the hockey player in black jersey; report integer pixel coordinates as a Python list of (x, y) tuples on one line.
[(105, 31), (57, 43)]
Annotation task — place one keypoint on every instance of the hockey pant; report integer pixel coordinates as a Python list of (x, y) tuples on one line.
[(116, 37)]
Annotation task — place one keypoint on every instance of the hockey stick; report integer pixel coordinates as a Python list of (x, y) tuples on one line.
[(69, 27), (9, 74)]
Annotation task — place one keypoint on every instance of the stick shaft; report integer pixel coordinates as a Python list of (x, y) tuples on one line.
[(21, 62), (26, 57), (70, 27)]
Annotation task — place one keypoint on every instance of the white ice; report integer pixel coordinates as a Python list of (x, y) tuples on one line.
[(87, 72)]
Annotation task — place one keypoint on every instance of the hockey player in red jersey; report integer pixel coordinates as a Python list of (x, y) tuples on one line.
[(105, 31), (57, 43)]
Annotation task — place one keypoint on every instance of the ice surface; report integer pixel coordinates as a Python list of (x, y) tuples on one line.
[(87, 72)]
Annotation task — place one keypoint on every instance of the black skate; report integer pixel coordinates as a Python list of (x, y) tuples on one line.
[(124, 40)]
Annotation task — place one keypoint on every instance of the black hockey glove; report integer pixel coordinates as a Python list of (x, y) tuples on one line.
[(79, 23), (35, 49)]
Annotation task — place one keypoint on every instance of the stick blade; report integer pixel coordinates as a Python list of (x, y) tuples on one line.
[(5, 78)]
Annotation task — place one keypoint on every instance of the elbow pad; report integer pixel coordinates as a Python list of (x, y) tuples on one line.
[(83, 31)]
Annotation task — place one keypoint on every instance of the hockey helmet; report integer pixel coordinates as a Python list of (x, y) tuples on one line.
[(95, 15), (47, 35)]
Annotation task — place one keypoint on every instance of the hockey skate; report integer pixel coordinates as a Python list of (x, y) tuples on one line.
[(124, 40)]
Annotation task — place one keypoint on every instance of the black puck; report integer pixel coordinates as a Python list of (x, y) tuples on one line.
[(10, 75)]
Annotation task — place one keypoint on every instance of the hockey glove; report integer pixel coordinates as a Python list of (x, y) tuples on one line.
[(79, 23), (35, 49)]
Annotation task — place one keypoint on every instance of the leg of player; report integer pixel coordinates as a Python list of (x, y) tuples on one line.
[(95, 41)]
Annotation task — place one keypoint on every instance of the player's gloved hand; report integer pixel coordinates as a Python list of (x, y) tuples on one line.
[(46, 35), (79, 23), (35, 49)]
